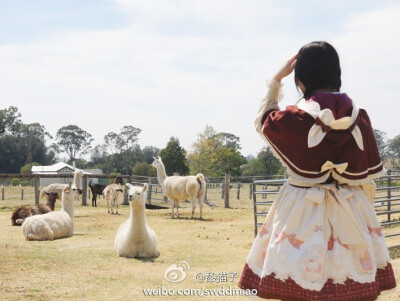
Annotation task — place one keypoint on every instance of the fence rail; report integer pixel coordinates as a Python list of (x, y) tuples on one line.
[(386, 203)]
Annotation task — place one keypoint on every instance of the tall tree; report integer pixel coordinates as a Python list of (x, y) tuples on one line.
[(144, 169), (215, 154), (381, 141), (265, 164), (394, 151), (9, 120), (174, 158), (22, 144), (148, 153), (73, 140)]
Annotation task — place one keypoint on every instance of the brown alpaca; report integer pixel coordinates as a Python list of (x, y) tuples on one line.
[(22, 212)]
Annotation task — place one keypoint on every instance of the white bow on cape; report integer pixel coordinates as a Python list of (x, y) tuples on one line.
[(317, 133)]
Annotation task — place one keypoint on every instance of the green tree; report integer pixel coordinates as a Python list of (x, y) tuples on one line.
[(174, 158), (148, 153), (21, 144), (215, 154), (144, 169), (394, 151), (73, 140), (265, 164), (9, 120), (27, 168), (381, 142)]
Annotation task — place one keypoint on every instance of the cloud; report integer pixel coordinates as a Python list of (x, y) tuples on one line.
[(179, 65)]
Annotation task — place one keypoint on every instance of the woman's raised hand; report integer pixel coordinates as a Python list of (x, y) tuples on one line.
[(286, 69)]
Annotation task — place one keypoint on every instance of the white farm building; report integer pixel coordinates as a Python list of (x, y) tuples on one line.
[(60, 168)]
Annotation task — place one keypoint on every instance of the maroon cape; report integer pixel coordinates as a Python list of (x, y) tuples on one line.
[(287, 132)]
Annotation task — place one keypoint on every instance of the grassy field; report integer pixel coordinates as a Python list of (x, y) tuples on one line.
[(86, 267)]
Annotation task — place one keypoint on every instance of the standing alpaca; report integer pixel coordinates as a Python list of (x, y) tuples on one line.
[(21, 213), (56, 224), (111, 193), (180, 188), (135, 239), (97, 189)]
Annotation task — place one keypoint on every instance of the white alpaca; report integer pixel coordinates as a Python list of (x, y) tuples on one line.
[(55, 224), (111, 193), (135, 239), (180, 188)]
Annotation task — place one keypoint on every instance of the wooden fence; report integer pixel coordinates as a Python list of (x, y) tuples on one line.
[(216, 187)]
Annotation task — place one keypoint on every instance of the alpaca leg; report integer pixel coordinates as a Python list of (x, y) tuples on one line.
[(177, 208), (201, 207), (116, 204), (172, 208), (112, 202), (108, 203), (193, 207)]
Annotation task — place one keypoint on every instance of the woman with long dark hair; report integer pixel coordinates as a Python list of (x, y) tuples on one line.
[(321, 239)]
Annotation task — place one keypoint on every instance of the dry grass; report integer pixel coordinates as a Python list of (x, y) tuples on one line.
[(85, 266)]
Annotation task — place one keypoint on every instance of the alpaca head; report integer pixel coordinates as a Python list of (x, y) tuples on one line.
[(136, 194), (78, 174), (72, 191), (118, 180), (157, 161)]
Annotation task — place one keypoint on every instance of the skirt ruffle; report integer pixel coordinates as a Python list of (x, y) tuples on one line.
[(271, 288)]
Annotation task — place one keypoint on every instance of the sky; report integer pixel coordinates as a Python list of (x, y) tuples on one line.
[(172, 67)]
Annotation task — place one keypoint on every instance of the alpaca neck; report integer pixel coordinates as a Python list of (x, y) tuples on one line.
[(68, 205), (161, 174), (137, 218), (51, 204)]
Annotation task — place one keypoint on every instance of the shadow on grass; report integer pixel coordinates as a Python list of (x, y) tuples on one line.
[(190, 219)]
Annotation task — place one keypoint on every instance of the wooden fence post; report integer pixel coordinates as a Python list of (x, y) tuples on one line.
[(84, 190), (227, 183), (389, 193), (2, 194), (36, 189), (126, 202), (22, 194), (149, 191), (238, 191)]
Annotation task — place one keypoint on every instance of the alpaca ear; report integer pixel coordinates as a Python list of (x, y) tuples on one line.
[(128, 185), (144, 187), (66, 190)]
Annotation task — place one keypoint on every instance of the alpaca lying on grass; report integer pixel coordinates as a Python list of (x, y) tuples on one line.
[(97, 189), (21, 213), (56, 224), (135, 239), (111, 193), (180, 188)]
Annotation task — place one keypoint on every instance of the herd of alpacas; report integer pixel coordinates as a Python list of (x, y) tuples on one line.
[(134, 238)]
